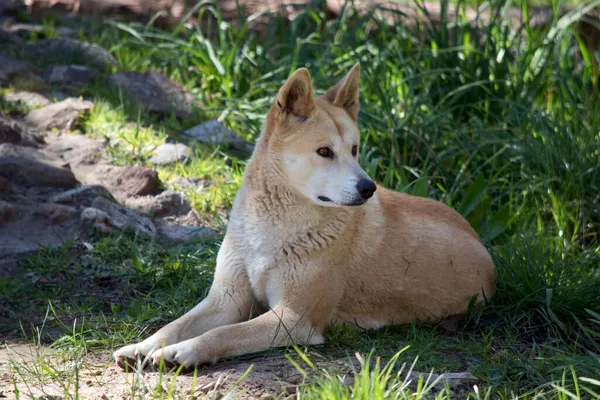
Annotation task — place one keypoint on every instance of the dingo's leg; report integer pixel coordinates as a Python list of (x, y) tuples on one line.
[(229, 301)]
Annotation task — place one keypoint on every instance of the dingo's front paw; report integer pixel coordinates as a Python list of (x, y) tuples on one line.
[(128, 356), (184, 353)]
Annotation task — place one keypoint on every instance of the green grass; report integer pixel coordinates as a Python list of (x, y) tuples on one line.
[(504, 126)]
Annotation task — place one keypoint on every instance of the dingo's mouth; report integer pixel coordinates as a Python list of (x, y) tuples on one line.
[(328, 200)]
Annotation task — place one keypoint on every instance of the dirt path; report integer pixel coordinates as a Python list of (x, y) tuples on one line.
[(49, 374)]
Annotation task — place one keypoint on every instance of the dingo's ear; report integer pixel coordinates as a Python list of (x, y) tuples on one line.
[(295, 96), (345, 93)]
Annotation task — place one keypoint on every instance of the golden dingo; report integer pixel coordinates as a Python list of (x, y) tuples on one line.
[(313, 241)]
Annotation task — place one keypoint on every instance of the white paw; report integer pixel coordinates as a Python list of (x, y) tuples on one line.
[(176, 354), (130, 355)]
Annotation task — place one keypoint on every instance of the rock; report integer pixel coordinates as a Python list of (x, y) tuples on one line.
[(9, 6), (38, 28), (452, 379), (155, 92), (170, 153), (11, 69), (12, 131), (215, 133), (185, 234), (28, 153), (168, 203), (108, 216), (57, 95), (76, 150), (84, 195), (57, 213), (73, 76), (57, 50), (189, 183), (28, 99), (126, 182), (5, 186), (58, 115), (22, 170), (27, 234), (8, 212)]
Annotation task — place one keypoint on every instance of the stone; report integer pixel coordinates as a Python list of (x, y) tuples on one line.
[(5, 186), (9, 6), (27, 234), (168, 203), (73, 76), (155, 92), (108, 216), (58, 115), (83, 195), (8, 212), (189, 183), (57, 213), (27, 99), (169, 153), (11, 69), (14, 132), (215, 133), (39, 28), (452, 379), (77, 150), (23, 170), (186, 234), (77, 52), (127, 181)]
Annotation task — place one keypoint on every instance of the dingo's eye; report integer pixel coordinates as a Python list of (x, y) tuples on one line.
[(325, 152), (354, 150)]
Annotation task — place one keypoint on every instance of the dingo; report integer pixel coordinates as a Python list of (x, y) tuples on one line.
[(312, 241)]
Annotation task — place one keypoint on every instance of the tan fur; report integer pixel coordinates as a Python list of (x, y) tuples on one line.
[(303, 263)]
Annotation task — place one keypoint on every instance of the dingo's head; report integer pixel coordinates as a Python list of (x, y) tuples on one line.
[(314, 142)]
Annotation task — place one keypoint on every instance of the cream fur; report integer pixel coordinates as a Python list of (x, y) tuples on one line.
[(301, 263)]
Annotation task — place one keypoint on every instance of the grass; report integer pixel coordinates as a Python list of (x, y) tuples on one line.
[(502, 125)]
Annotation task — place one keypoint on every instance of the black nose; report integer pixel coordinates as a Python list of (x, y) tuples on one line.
[(366, 188)]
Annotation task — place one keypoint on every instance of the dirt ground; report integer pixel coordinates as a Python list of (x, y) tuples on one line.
[(42, 372)]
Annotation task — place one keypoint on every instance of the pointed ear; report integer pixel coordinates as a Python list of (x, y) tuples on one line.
[(296, 96), (345, 93)]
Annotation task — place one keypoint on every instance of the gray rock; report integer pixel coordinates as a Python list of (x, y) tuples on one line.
[(168, 203), (57, 50), (215, 133), (76, 150), (23, 236), (28, 153), (8, 212), (5, 187), (170, 153), (11, 69), (57, 95), (26, 171), (84, 195), (186, 234), (57, 213), (190, 183), (452, 379), (125, 182), (14, 132), (38, 28), (9, 6), (155, 92), (72, 76), (108, 216), (28, 99), (58, 115)]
